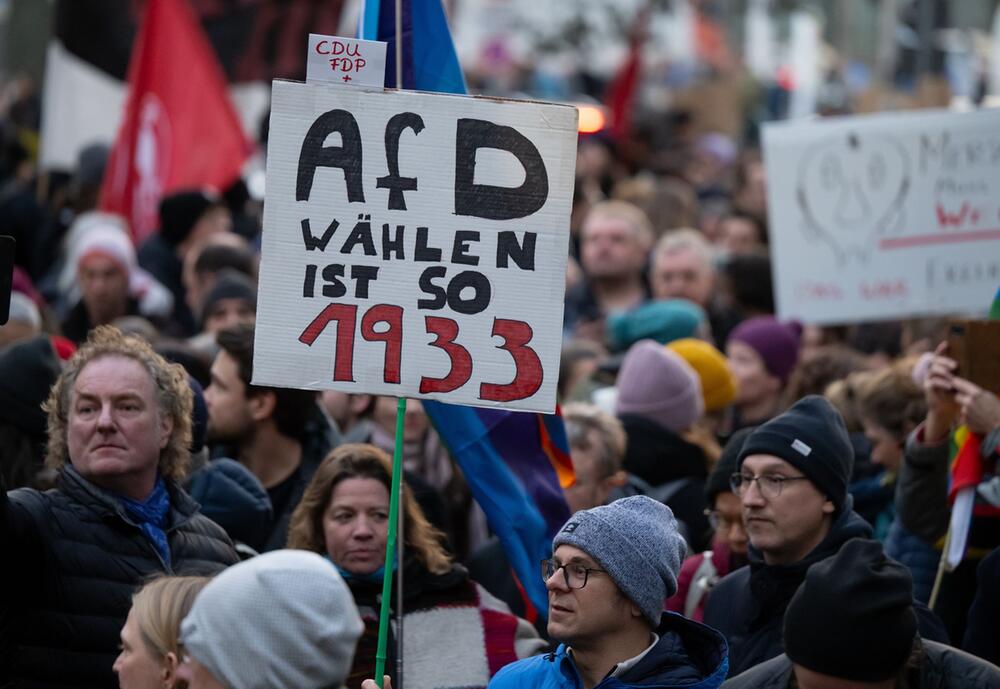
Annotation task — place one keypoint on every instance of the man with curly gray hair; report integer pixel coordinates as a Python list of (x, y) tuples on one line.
[(119, 421)]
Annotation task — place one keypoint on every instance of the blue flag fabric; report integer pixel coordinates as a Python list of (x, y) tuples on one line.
[(508, 462), (429, 59), (514, 462)]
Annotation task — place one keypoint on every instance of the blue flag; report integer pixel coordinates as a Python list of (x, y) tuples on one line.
[(514, 462), (429, 59)]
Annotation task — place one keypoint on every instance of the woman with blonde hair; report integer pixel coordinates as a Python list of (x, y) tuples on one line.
[(150, 650), (344, 515)]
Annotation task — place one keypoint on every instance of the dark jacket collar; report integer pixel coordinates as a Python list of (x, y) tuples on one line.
[(101, 502), (688, 654), (774, 585)]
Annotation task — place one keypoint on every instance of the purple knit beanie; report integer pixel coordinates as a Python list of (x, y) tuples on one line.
[(777, 343), (657, 384)]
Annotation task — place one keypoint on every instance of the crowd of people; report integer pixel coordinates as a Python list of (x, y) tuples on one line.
[(757, 503)]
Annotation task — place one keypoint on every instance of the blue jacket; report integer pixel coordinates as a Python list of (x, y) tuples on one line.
[(688, 655)]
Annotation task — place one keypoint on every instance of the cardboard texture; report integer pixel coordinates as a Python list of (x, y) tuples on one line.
[(884, 216), (415, 245), (345, 61)]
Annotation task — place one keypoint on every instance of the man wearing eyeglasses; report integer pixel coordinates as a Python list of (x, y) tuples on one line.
[(611, 569), (791, 478)]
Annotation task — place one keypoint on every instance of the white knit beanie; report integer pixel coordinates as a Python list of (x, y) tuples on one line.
[(282, 620)]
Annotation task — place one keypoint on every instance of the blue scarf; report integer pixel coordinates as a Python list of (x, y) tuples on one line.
[(372, 578), (152, 514)]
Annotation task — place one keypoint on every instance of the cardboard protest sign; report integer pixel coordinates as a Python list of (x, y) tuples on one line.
[(884, 216), (348, 61), (415, 245)]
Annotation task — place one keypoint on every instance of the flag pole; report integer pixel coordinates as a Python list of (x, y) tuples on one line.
[(397, 461), (390, 545)]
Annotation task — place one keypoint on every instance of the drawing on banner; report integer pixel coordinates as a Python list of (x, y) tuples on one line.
[(852, 192), (884, 216)]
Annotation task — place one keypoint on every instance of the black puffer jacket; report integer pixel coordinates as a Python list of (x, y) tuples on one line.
[(940, 667), (72, 558)]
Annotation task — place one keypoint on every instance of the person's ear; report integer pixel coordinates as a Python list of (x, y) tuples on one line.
[(166, 429), (261, 405), (829, 507), (169, 670)]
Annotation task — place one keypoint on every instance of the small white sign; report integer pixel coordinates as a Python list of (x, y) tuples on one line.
[(884, 216), (348, 61), (414, 245)]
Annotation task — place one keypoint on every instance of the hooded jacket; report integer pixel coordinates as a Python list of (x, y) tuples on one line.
[(940, 667), (72, 560), (748, 606), (232, 497), (688, 655)]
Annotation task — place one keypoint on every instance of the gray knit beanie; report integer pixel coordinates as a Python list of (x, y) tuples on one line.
[(282, 620), (635, 540)]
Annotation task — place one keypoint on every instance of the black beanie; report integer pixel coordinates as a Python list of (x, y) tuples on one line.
[(810, 436), (229, 284), (28, 370), (853, 617), (179, 212), (718, 480)]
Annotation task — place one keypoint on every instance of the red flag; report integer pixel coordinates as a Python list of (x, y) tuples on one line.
[(179, 129), (621, 93)]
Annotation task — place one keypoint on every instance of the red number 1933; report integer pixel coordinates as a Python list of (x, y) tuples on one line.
[(516, 336)]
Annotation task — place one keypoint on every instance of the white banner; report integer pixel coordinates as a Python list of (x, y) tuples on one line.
[(415, 245), (884, 216)]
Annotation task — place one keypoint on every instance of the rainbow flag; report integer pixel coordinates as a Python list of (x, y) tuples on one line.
[(516, 463)]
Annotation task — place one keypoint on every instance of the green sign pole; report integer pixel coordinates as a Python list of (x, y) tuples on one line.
[(390, 543)]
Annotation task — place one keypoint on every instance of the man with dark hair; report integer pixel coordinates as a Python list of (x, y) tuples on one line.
[(280, 434), (119, 437)]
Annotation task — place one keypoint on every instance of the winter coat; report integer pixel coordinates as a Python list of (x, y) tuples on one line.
[(920, 557), (981, 634), (923, 509), (455, 634), (657, 456), (232, 497), (748, 606), (688, 654), (941, 667), (73, 558)]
